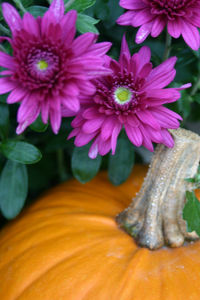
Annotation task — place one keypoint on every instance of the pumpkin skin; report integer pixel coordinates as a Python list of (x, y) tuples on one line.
[(67, 246)]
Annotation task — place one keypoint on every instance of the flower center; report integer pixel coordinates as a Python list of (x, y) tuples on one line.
[(42, 65), (122, 95), (170, 8)]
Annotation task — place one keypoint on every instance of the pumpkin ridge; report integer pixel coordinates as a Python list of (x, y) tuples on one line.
[(112, 222), (39, 276)]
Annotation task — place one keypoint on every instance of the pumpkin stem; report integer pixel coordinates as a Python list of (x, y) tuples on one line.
[(154, 218)]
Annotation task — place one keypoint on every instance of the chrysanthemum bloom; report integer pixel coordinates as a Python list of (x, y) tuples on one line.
[(132, 98), (180, 17), (50, 68)]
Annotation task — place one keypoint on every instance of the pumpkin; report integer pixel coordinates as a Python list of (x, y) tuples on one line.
[(67, 246)]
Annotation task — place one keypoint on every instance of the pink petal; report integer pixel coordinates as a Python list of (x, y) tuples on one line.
[(57, 7), (143, 32), (133, 120), (174, 28), (164, 119), (45, 111), (12, 17), (73, 133), (91, 126), (29, 120), (90, 113), (144, 55), (184, 86), (124, 50), (158, 26), (126, 18), (71, 89), (99, 49), (83, 139), (6, 85), (146, 69), (71, 103), (167, 138), (93, 152), (115, 133), (83, 42), (104, 147), (107, 128), (132, 4), (142, 17), (68, 23), (31, 25), (147, 118), (66, 112), (78, 121), (146, 139), (16, 95), (134, 135), (55, 119), (7, 61), (190, 35)]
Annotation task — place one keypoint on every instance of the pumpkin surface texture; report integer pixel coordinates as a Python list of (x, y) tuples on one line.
[(67, 246)]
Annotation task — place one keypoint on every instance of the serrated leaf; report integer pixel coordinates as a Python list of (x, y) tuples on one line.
[(80, 5), (86, 23), (4, 120), (84, 168), (13, 189), (21, 152), (191, 212), (38, 125), (120, 165)]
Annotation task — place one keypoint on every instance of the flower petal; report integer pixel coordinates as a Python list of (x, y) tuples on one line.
[(6, 85), (57, 7), (134, 135), (7, 61), (12, 17)]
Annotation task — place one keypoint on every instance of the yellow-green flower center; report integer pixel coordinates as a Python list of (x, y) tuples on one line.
[(122, 95), (42, 65)]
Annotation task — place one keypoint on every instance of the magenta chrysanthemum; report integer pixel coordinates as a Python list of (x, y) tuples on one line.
[(132, 97), (50, 69), (180, 17)]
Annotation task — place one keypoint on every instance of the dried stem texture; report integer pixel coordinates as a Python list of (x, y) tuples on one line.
[(154, 217)]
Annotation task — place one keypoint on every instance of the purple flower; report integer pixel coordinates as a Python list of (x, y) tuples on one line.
[(132, 97), (50, 69), (180, 17)]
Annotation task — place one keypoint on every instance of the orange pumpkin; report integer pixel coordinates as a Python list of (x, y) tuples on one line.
[(67, 246)]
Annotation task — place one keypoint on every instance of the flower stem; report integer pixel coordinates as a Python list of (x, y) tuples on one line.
[(167, 46), (195, 86), (154, 218), (61, 165)]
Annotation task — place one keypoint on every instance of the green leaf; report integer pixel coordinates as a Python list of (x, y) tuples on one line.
[(86, 23), (20, 152), (84, 168), (4, 120), (37, 11), (80, 5), (120, 165), (13, 189), (38, 125), (196, 98), (191, 212)]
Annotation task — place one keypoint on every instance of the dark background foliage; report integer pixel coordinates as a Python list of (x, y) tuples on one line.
[(37, 160)]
